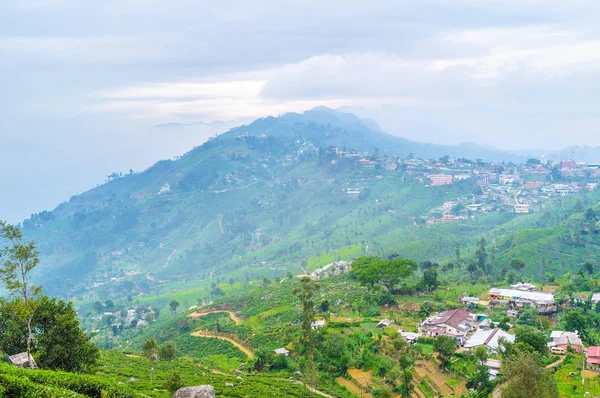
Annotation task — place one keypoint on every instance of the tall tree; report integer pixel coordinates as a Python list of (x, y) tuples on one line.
[(59, 343), (306, 293), (525, 377), (150, 348), (517, 264), (173, 305), (17, 260), (445, 347), (588, 267), (167, 352), (430, 281), (481, 253)]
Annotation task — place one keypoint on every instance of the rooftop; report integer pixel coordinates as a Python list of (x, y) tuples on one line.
[(519, 294), (452, 318), (489, 338)]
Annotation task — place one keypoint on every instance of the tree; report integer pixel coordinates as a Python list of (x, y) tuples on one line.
[(425, 265), (99, 307), (406, 365), (370, 270), (150, 349), (517, 264), (537, 341), (173, 305), (261, 358), (445, 347), (525, 377), (481, 354), (480, 381), (481, 253), (430, 281), (588, 267), (305, 293), (589, 214), (17, 260), (576, 321), (59, 343), (167, 352), (173, 383), (472, 268)]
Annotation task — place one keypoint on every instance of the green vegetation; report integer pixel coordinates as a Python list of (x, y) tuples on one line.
[(189, 270), (19, 382), (526, 378)]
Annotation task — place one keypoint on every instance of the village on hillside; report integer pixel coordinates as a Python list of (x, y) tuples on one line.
[(472, 328)]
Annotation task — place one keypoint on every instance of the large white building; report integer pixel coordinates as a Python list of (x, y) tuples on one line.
[(544, 302), (513, 294)]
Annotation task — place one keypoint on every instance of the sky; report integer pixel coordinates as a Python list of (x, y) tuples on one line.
[(83, 83)]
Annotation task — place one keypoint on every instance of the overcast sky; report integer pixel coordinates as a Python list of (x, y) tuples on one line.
[(83, 82)]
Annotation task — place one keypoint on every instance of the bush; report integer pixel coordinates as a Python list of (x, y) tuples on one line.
[(76, 385), (426, 340), (12, 386), (173, 383)]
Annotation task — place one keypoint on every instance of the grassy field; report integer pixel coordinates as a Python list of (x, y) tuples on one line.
[(569, 375)]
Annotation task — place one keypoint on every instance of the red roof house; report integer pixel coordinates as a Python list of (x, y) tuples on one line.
[(593, 358)]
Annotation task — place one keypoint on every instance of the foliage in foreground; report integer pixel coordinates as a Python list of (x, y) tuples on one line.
[(18, 382)]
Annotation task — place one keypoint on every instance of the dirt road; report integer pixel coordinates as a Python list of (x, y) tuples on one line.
[(211, 335), (200, 313)]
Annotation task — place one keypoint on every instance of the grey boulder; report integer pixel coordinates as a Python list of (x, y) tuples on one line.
[(195, 392), (22, 360)]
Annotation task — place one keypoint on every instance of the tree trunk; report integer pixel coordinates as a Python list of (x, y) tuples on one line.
[(29, 357)]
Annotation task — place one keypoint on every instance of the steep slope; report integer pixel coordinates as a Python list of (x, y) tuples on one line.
[(260, 196)]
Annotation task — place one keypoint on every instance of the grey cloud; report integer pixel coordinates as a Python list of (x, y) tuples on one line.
[(58, 58)]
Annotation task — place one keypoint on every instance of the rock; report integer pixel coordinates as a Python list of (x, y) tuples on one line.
[(154, 357), (229, 384), (133, 380), (22, 360), (195, 392), (238, 372)]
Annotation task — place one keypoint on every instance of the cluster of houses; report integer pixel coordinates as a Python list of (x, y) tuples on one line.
[(472, 330)]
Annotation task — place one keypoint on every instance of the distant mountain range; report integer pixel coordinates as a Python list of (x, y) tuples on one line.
[(394, 144), (349, 131)]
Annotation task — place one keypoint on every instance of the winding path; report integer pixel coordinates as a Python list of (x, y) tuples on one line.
[(213, 335), (200, 313)]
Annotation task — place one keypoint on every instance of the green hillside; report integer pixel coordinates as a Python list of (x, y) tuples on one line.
[(281, 195)]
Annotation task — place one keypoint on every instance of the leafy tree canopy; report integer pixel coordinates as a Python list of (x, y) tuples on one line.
[(371, 270)]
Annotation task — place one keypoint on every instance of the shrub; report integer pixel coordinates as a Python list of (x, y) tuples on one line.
[(46, 382), (19, 387), (425, 340)]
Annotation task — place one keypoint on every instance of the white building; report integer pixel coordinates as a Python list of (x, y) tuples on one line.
[(513, 294), (494, 367), (489, 338), (317, 324), (526, 287), (544, 302), (410, 337), (282, 351), (384, 323)]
